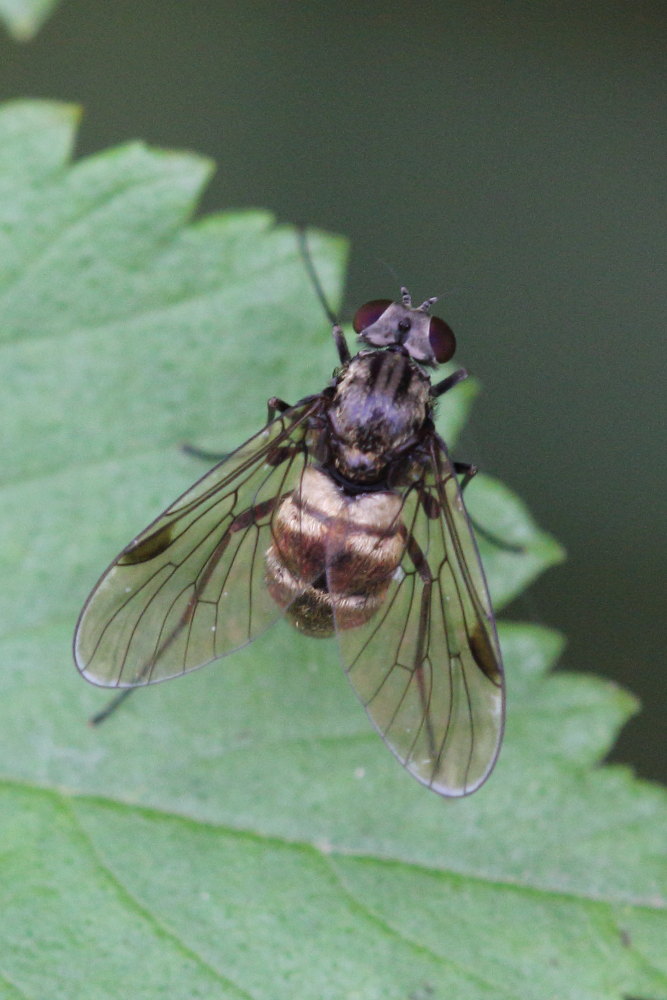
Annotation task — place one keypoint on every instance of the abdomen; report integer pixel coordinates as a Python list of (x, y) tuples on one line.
[(333, 555)]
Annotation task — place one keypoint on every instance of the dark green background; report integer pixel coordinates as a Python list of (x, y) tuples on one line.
[(509, 157)]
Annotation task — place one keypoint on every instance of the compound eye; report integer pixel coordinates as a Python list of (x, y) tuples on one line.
[(369, 313), (442, 340)]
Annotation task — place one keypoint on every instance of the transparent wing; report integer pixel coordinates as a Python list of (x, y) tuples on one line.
[(427, 666), (191, 587)]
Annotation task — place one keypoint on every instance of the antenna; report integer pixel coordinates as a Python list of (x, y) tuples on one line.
[(304, 250), (336, 329)]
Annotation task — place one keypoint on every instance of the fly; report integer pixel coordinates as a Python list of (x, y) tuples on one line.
[(345, 515)]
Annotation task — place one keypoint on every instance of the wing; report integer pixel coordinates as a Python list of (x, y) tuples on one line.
[(191, 587), (427, 666)]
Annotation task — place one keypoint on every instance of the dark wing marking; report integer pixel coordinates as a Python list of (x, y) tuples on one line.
[(191, 587), (427, 666)]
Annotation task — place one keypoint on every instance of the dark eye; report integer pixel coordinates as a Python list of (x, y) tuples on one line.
[(369, 313), (442, 340)]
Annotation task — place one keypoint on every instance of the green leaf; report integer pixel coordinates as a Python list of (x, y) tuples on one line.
[(242, 832), (24, 18)]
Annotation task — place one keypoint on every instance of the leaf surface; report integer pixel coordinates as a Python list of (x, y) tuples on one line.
[(242, 832), (24, 18)]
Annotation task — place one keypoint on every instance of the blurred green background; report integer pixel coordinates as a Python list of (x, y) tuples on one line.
[(509, 157)]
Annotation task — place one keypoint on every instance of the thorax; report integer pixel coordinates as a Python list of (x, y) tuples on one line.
[(380, 405)]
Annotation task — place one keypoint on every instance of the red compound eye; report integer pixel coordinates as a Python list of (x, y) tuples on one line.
[(369, 313), (442, 340)]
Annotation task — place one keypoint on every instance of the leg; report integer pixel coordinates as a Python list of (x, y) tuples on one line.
[(273, 405), (431, 503), (448, 383), (468, 472), (206, 456), (338, 335), (492, 539), (110, 707), (341, 344), (420, 563)]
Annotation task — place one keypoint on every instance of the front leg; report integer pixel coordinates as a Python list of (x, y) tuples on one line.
[(274, 406), (448, 383), (336, 329), (341, 343)]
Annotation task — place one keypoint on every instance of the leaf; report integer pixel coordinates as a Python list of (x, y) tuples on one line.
[(24, 18), (242, 832)]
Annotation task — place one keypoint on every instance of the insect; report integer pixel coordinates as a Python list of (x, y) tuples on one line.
[(345, 515)]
